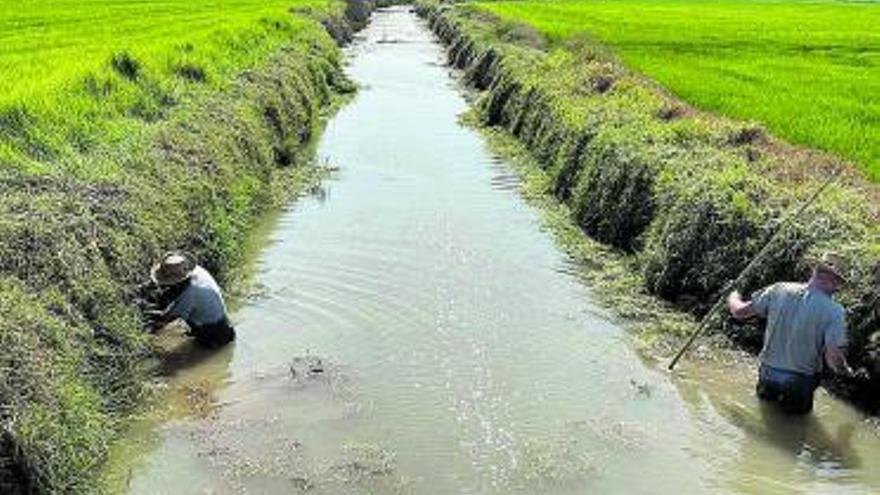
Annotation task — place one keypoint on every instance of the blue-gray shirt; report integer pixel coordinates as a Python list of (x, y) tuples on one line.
[(201, 303), (800, 322)]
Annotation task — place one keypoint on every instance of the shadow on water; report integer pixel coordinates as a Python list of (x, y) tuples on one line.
[(804, 438), (190, 378), (186, 356), (765, 450)]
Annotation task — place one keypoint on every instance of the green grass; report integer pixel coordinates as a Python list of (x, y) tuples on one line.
[(60, 91), (807, 70), (50, 44)]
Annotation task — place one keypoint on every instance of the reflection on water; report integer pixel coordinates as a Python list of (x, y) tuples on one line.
[(418, 332), (771, 452), (806, 439)]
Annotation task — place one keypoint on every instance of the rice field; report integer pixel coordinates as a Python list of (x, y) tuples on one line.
[(49, 44), (809, 71), (69, 69)]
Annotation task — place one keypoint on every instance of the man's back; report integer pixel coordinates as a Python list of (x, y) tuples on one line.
[(800, 323), (202, 302)]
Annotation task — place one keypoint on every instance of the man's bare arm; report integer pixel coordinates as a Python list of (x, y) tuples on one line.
[(836, 360), (739, 309), (158, 318)]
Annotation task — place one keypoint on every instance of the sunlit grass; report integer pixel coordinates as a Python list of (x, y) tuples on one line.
[(47, 44), (809, 71), (60, 91)]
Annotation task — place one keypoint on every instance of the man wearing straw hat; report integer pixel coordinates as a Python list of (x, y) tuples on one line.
[(197, 299), (806, 329)]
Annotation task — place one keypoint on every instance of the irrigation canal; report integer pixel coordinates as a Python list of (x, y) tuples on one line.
[(440, 345)]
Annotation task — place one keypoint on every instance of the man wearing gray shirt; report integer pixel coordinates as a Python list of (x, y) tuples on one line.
[(806, 329), (195, 298)]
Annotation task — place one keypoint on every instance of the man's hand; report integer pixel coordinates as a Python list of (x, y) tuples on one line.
[(836, 360), (155, 319), (739, 309), (861, 374), (734, 298)]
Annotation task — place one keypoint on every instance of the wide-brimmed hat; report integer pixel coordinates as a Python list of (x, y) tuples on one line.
[(173, 268), (834, 264)]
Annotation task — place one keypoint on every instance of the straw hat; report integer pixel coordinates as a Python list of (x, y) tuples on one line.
[(834, 264), (173, 268)]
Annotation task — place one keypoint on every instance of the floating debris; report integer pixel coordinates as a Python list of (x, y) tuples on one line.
[(306, 367), (363, 461), (642, 389), (545, 464)]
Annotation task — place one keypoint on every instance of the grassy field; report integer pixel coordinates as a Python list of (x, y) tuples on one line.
[(808, 70), (50, 44), (66, 64)]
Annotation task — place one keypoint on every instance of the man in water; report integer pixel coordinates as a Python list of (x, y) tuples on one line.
[(194, 297), (806, 328)]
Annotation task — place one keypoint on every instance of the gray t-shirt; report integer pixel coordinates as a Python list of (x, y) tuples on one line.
[(800, 322), (201, 303)]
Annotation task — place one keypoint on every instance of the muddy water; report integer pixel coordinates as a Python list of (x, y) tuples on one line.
[(417, 332)]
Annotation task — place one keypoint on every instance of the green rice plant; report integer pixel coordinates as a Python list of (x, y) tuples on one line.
[(807, 70), (77, 74)]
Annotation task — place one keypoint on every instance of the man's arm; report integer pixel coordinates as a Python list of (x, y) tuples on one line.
[(739, 309), (158, 318), (835, 345), (836, 360), (179, 308), (759, 305)]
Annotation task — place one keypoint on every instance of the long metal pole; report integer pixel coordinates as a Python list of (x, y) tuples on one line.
[(757, 259)]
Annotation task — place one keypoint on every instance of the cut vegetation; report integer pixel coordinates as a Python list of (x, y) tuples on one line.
[(807, 70)]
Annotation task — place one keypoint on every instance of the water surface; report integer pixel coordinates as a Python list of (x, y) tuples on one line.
[(440, 345)]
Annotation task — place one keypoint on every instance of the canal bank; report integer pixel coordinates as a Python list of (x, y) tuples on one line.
[(418, 331), (138, 160)]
